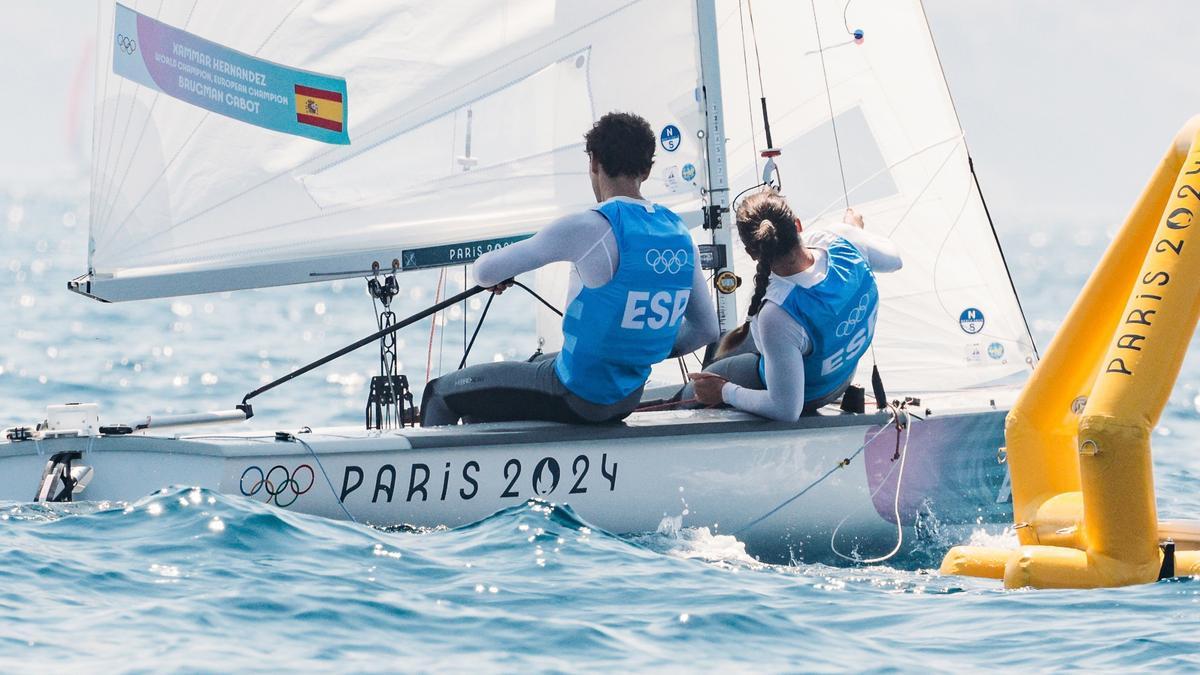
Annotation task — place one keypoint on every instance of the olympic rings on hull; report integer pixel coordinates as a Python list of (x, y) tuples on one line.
[(279, 484)]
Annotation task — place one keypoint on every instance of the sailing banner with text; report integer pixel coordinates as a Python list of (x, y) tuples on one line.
[(229, 82)]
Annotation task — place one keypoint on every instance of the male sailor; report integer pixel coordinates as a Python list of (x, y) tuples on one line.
[(637, 296)]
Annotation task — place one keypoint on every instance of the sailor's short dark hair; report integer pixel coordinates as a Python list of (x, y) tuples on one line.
[(623, 144)]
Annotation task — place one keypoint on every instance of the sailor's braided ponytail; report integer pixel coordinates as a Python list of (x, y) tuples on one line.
[(767, 228)]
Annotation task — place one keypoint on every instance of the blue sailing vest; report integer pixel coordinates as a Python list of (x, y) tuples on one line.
[(839, 316), (613, 334)]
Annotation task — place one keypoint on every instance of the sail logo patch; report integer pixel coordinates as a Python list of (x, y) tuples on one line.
[(971, 320), (996, 351), (973, 353), (689, 172), (670, 138), (671, 178)]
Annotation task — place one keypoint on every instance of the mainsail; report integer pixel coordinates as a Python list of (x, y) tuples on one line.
[(459, 127), (463, 119)]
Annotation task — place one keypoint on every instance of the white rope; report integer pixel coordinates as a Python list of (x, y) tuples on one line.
[(895, 509), (749, 98)]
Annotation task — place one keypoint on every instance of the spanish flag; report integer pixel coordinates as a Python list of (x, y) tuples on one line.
[(319, 108)]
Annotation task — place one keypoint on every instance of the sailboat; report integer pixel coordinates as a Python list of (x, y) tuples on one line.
[(318, 140)]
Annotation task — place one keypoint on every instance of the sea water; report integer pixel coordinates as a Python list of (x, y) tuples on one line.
[(190, 580)]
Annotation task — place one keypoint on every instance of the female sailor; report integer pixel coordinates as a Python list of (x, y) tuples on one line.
[(812, 315), (638, 296)]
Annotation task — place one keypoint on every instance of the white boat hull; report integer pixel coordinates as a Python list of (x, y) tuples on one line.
[(718, 469)]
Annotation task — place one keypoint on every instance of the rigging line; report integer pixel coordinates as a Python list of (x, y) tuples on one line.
[(370, 339), (830, 47), (844, 463), (734, 201), (954, 106), (443, 331), (328, 482), (754, 41), (203, 118), (538, 297), (845, 21), (141, 134), (1008, 270), (895, 510), (467, 351), (749, 98), (829, 98), (437, 295), (464, 312)]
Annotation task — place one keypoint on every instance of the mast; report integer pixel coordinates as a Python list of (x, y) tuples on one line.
[(717, 193)]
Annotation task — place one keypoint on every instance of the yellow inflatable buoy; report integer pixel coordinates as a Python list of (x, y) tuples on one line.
[(1078, 437)]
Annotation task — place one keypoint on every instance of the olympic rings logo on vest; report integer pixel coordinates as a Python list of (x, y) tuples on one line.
[(856, 315), (279, 484), (669, 261)]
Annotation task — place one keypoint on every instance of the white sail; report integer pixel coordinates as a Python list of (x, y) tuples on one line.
[(950, 319), (464, 122)]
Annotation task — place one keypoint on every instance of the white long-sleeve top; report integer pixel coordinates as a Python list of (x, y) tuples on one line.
[(586, 241), (782, 341)]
